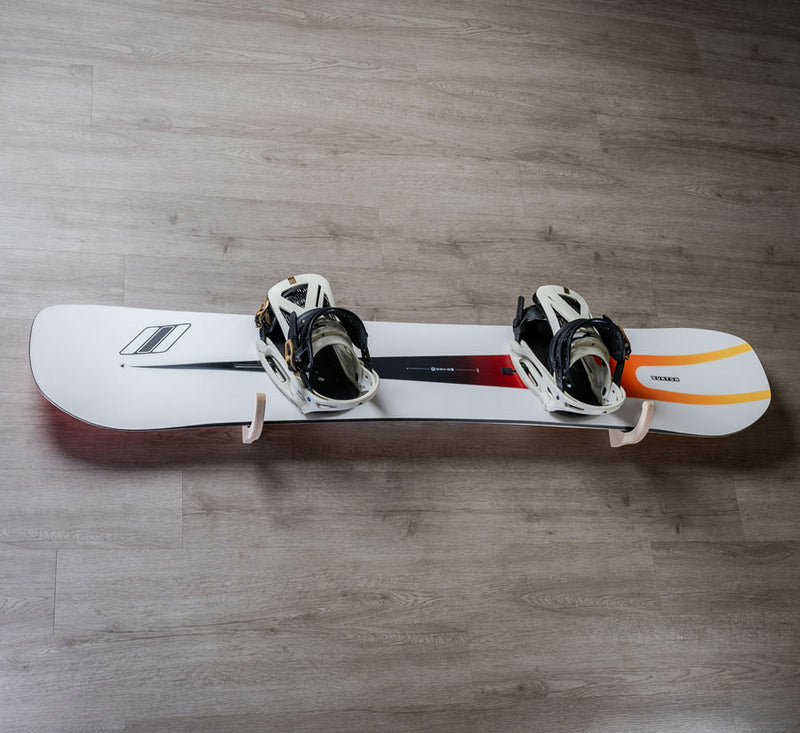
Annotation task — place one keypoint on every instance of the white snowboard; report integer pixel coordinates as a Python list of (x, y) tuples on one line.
[(138, 369)]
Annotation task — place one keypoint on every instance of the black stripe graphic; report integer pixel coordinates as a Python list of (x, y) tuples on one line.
[(492, 370), (227, 366), (155, 339)]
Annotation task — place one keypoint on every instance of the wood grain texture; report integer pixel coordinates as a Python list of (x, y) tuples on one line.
[(79, 508), (27, 597), (768, 507), (373, 505), (434, 160), (593, 715)]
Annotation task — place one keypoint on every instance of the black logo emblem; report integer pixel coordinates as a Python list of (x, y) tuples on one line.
[(156, 339)]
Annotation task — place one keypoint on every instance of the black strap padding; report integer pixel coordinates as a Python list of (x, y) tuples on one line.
[(610, 333), (301, 328), (524, 316)]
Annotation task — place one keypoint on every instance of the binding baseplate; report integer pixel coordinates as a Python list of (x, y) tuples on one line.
[(570, 359), (307, 346)]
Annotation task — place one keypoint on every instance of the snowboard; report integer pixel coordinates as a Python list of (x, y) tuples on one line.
[(142, 369)]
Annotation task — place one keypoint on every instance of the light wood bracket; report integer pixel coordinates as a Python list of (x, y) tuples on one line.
[(619, 438), (252, 432)]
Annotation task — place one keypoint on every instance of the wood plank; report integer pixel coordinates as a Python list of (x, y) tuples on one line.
[(90, 509), (31, 278), (43, 91), (364, 113), (195, 285), (27, 595), (308, 591), (40, 153), (231, 673), (293, 623), (738, 15), (770, 507), (593, 715), (577, 658), (747, 54), (700, 577), (15, 375), (379, 505), (772, 711), (218, 229)]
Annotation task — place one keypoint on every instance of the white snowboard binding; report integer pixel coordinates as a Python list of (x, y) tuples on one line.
[(565, 355), (307, 347)]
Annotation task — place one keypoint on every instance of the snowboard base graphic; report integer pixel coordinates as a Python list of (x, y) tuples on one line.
[(141, 369)]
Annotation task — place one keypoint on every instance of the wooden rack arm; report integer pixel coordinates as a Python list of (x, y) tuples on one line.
[(252, 432), (619, 438)]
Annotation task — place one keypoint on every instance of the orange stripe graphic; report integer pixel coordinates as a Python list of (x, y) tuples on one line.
[(634, 388), (638, 360)]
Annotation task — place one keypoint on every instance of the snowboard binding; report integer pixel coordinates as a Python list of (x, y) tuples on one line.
[(571, 360), (307, 346)]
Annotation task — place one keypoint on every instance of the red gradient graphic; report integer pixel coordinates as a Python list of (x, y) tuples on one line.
[(490, 370)]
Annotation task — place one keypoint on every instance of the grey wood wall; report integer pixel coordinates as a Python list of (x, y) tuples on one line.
[(434, 159)]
